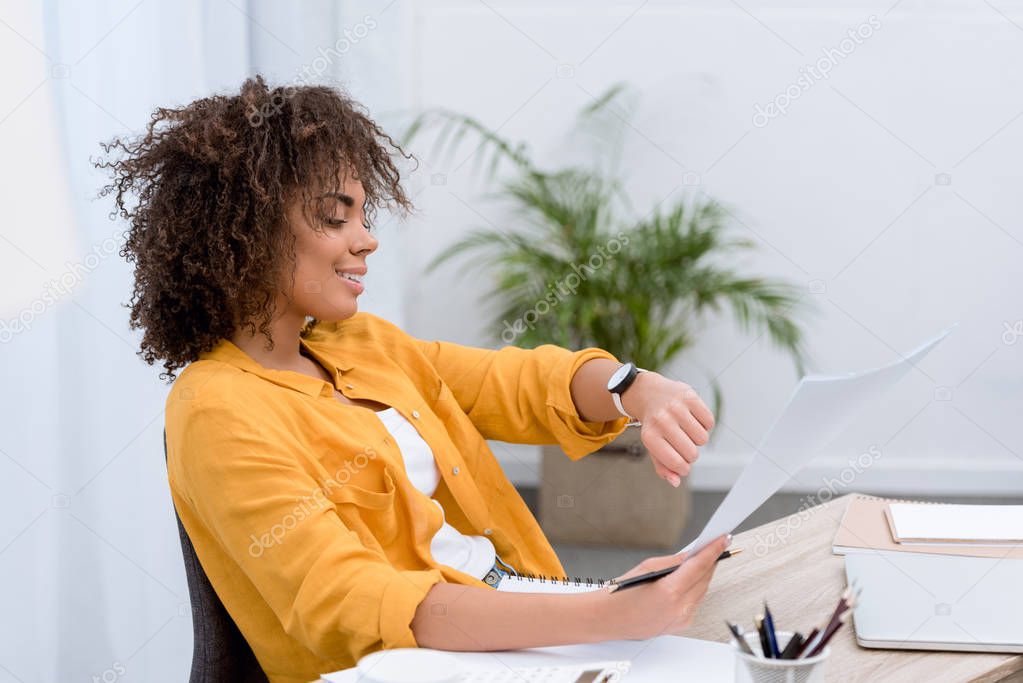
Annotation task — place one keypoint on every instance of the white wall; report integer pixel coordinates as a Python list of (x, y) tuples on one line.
[(89, 554), (843, 191)]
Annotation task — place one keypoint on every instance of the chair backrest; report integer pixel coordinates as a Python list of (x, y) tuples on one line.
[(220, 653)]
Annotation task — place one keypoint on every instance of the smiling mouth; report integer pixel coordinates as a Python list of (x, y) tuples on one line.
[(354, 277)]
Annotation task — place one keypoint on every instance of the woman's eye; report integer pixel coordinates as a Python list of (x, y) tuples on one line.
[(337, 222)]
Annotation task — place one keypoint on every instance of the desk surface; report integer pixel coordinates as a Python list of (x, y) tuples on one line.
[(789, 562)]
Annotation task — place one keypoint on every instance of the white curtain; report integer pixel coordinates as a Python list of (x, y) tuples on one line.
[(90, 569)]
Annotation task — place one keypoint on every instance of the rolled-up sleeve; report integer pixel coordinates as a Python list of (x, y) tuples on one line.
[(240, 484), (522, 395)]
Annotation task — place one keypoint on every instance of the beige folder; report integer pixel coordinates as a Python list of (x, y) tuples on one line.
[(864, 526)]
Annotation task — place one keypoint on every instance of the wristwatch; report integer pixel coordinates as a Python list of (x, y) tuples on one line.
[(622, 379)]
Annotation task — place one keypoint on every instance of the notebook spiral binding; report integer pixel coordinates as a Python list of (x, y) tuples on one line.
[(566, 580), (862, 496)]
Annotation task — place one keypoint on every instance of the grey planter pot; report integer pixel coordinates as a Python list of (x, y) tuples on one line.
[(611, 497)]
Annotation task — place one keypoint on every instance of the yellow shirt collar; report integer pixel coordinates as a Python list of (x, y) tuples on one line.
[(228, 352)]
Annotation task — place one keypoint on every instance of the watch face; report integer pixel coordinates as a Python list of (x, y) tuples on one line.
[(619, 374)]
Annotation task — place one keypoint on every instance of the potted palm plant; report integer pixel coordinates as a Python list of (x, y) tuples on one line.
[(585, 269)]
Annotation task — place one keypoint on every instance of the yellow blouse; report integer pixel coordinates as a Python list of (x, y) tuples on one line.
[(299, 506)]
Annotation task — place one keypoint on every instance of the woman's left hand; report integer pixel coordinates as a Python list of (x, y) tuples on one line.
[(676, 422)]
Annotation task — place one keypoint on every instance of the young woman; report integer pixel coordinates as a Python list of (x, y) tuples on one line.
[(332, 471)]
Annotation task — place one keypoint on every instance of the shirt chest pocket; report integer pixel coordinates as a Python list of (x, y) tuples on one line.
[(370, 512)]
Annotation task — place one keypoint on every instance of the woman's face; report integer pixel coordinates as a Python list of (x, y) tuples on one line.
[(329, 257)]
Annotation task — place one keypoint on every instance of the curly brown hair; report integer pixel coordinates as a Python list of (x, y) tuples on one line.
[(205, 190)]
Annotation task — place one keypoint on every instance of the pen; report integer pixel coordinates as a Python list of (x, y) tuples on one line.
[(806, 643), (813, 645), (830, 634), (845, 602), (765, 645), (656, 574), (772, 638), (794, 645), (740, 640)]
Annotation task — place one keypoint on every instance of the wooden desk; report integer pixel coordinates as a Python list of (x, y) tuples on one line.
[(789, 562)]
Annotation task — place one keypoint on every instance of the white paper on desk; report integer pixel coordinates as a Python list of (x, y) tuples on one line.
[(818, 410), (665, 658)]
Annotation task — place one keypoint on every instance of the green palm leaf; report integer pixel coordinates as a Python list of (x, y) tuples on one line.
[(579, 272)]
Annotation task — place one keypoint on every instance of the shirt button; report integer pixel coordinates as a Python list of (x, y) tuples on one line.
[(455, 470), (487, 532), (415, 414)]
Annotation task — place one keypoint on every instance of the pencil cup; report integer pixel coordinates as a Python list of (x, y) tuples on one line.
[(757, 669)]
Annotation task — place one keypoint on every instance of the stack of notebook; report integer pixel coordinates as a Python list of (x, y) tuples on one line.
[(935, 576), (971, 530)]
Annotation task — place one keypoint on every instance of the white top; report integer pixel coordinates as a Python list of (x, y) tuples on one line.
[(473, 555)]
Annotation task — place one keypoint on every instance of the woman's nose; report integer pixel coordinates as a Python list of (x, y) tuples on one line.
[(366, 242)]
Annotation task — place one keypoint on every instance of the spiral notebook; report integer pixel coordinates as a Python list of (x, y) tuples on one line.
[(529, 583)]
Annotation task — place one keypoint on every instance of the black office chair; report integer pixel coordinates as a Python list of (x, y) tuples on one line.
[(220, 653)]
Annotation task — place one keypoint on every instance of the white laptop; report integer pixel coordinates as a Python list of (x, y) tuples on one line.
[(919, 601)]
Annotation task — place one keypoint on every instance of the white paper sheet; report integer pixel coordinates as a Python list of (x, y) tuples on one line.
[(665, 658), (818, 410), (957, 524)]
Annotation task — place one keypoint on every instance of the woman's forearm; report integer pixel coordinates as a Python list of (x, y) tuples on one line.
[(592, 399), (473, 619), (476, 619), (589, 390)]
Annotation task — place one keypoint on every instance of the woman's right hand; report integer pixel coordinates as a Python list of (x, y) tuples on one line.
[(665, 606)]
